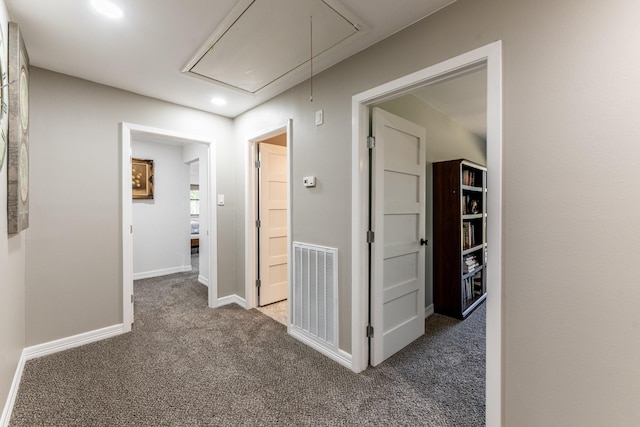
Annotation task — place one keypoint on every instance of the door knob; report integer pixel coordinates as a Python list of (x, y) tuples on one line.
[(424, 242)]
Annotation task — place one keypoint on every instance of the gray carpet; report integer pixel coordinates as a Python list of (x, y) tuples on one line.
[(195, 263), (187, 365)]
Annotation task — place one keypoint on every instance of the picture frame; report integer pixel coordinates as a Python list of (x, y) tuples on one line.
[(18, 135), (4, 103), (141, 179)]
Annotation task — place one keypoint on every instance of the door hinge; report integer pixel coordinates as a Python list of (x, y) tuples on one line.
[(371, 236), (131, 298), (257, 164), (131, 229), (258, 283), (258, 223), (371, 141), (369, 331)]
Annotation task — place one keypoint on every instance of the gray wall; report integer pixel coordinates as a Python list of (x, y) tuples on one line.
[(12, 275), (571, 164), (446, 140), (73, 280)]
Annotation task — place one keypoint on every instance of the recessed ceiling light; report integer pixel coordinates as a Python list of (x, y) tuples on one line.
[(107, 8), (218, 101)]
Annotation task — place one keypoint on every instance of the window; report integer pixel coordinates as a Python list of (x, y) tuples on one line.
[(194, 200)]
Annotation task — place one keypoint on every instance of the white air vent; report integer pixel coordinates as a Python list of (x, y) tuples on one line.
[(315, 301), (262, 41)]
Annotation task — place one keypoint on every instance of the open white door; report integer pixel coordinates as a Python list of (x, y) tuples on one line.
[(273, 224), (398, 220)]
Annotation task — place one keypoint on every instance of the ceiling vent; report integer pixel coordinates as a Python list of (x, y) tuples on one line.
[(263, 41)]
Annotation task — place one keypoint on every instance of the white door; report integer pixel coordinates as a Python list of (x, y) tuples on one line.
[(398, 220), (273, 224)]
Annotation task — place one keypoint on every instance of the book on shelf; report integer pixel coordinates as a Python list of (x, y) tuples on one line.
[(468, 289), (470, 264), (477, 286), (468, 177), (468, 235)]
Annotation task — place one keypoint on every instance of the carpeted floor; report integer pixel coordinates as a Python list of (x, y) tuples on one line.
[(187, 365)]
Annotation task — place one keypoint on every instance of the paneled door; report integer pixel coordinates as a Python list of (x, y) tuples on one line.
[(398, 221), (273, 224)]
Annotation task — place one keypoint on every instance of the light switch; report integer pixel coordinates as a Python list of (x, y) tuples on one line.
[(319, 117), (309, 181), (220, 199)]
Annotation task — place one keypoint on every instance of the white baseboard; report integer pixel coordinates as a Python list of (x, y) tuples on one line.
[(338, 355), (428, 311), (72, 342), (13, 392), (203, 280), (232, 299), (163, 272)]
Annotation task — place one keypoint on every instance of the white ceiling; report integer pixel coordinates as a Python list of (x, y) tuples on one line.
[(146, 51), (463, 98), (229, 59)]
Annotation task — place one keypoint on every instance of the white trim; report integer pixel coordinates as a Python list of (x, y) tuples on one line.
[(163, 272), (290, 221), (203, 281), (232, 299), (494, 322), (13, 392), (429, 310), (72, 341), (127, 129), (127, 224), (339, 356), (250, 246), (212, 282), (490, 54)]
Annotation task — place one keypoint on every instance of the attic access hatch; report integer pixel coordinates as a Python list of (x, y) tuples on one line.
[(262, 41)]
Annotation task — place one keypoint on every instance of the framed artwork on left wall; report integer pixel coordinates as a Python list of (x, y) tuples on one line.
[(18, 135), (4, 103)]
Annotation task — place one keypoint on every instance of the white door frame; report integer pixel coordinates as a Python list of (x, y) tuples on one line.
[(128, 130), (251, 243), (491, 55)]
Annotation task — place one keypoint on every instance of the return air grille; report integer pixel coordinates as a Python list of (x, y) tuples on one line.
[(314, 301)]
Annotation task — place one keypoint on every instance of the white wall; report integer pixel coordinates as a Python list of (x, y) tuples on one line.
[(161, 225), (12, 273), (194, 176), (446, 140)]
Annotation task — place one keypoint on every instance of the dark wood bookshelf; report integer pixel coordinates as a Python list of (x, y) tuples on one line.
[(459, 237)]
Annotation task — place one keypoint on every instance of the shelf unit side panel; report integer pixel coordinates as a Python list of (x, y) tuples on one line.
[(447, 237)]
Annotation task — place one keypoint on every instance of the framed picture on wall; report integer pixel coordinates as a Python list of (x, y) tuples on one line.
[(4, 104), (18, 141), (142, 179)]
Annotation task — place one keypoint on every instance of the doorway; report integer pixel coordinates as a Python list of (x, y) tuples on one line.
[(208, 229), (268, 270), (271, 227), (491, 57), (194, 214)]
